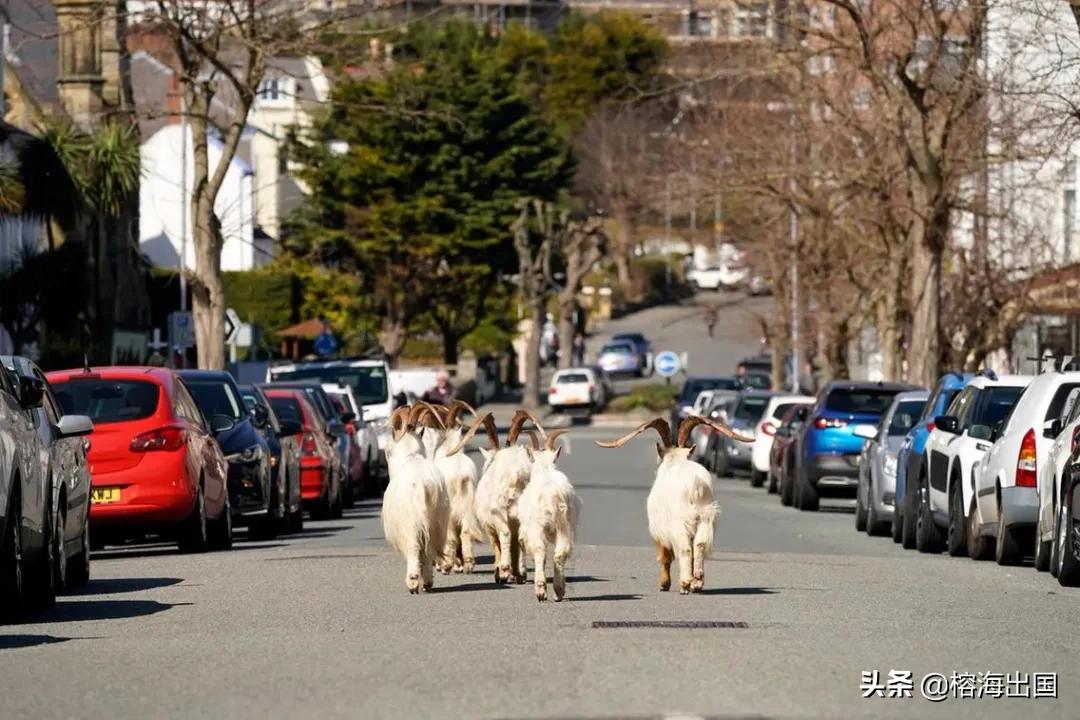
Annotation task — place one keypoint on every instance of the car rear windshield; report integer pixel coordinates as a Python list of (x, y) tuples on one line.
[(868, 401), (368, 382), (569, 378), (215, 397), (693, 387), (286, 408), (617, 349), (781, 409), (751, 408), (906, 415), (758, 381), (108, 401)]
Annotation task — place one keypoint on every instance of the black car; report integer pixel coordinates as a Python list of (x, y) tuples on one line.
[(251, 490), (32, 533), (338, 432), (283, 437)]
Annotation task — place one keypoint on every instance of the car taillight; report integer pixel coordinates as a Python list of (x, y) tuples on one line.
[(307, 446), (768, 428), (822, 423), (592, 388), (168, 439), (1075, 438), (552, 390), (1026, 464), (930, 426)]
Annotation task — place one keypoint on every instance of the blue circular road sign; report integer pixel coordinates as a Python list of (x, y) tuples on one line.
[(667, 364), (326, 344)]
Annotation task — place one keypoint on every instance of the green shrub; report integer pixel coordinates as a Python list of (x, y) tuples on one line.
[(655, 397)]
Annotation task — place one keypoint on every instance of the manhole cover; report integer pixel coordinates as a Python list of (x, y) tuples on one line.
[(670, 624)]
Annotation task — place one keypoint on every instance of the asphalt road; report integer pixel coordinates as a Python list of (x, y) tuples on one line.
[(797, 606)]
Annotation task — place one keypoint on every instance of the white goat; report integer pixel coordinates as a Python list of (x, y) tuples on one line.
[(460, 475), (549, 510), (504, 476), (416, 508), (681, 508)]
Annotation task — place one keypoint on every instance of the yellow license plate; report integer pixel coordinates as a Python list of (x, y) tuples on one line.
[(104, 495)]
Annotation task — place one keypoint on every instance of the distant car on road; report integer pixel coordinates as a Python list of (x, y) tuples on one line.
[(642, 347), (684, 404), (718, 276), (876, 495), (283, 437), (730, 455), (828, 448), (757, 286), (620, 357), (367, 440), (320, 464), (782, 452), (765, 433), (155, 466), (576, 389)]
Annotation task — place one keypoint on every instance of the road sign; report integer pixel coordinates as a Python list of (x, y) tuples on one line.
[(667, 364), (326, 344), (181, 330), (232, 325)]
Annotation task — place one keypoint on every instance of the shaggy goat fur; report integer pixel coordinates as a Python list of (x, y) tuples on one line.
[(548, 509)]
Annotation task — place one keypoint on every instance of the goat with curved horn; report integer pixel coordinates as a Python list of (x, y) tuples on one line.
[(549, 441), (520, 418), (548, 510), (533, 438), (456, 408), (660, 425), (487, 421)]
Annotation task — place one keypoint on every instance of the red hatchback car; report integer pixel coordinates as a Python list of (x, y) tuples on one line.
[(319, 460), (155, 466)]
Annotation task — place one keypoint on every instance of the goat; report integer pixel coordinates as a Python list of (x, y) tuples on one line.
[(549, 510), (681, 507), (504, 476), (460, 474), (416, 507)]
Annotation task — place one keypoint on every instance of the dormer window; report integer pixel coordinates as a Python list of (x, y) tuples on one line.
[(277, 91)]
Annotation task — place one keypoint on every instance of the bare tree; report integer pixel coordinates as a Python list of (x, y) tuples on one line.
[(584, 243), (535, 232)]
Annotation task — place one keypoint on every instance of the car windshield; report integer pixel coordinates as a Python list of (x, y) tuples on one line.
[(617, 349), (995, 405), (751, 408), (568, 378), (860, 401), (108, 401), (216, 397), (782, 409), (941, 404), (694, 386), (368, 382), (286, 408), (906, 415)]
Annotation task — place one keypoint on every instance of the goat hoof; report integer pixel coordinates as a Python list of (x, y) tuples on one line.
[(684, 588), (541, 594), (697, 586), (428, 586), (468, 567), (664, 587)]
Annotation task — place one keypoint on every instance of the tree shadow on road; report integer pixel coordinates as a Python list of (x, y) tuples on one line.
[(111, 586), (612, 597), (739, 591)]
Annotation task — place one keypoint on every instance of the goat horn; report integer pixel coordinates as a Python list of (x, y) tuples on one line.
[(399, 419), (520, 417), (535, 421), (429, 411), (534, 438), (549, 441), (489, 425), (660, 425), (725, 430), (455, 409), (686, 426), (415, 413)]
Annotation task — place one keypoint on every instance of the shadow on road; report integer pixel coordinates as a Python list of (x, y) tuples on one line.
[(72, 610), (140, 551), (585, 578), (111, 586), (739, 591), (317, 557), (14, 642), (614, 597), (467, 588)]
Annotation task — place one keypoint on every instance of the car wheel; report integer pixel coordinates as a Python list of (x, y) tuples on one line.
[(1054, 545), (11, 562), (335, 506), (771, 481), (757, 478), (1042, 548), (40, 579), (928, 536), (1068, 544), (296, 521), (348, 497), (978, 546), (860, 510), (1007, 548), (874, 525), (806, 495), (907, 530), (78, 569), (896, 526), (59, 558), (786, 491), (221, 530), (956, 537), (194, 537), (720, 466)]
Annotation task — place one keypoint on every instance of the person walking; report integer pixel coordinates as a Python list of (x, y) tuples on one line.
[(710, 319), (579, 350)]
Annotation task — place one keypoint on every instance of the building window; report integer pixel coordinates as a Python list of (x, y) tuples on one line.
[(752, 19), (1069, 223), (277, 90)]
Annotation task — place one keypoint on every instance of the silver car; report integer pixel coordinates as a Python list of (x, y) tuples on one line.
[(876, 496)]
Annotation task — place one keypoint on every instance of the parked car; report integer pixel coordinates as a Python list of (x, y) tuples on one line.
[(717, 405), (876, 494), (67, 468), (765, 433), (370, 383), (1054, 487), (622, 358), (283, 437), (576, 389), (642, 347), (605, 381), (320, 471), (255, 501), (155, 466), (337, 434), (366, 439), (684, 404), (42, 464), (1065, 548), (1003, 504), (730, 455), (716, 277), (756, 372), (957, 444), (758, 285), (827, 460), (782, 452), (911, 458)]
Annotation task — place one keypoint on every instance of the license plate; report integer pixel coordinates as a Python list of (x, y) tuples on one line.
[(575, 400), (105, 495)]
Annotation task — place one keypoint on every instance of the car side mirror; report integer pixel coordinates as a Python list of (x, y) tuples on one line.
[(221, 423), (947, 423), (74, 426), (866, 432), (348, 417), (287, 428), (1052, 428), (31, 392), (260, 416)]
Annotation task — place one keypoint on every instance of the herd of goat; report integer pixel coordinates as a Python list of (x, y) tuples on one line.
[(437, 505)]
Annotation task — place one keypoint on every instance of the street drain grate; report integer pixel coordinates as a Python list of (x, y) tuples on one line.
[(671, 624)]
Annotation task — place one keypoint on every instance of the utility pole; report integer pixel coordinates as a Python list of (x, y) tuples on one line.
[(184, 211), (793, 229)]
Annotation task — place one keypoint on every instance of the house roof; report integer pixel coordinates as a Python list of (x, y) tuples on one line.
[(306, 330), (34, 50)]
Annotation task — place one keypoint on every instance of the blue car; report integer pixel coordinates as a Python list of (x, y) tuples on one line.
[(827, 458), (912, 454)]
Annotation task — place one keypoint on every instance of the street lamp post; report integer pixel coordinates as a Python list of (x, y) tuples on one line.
[(793, 229)]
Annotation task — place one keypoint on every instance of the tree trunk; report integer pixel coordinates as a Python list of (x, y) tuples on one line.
[(567, 328), (208, 291), (531, 396), (450, 342), (924, 349), (624, 245), (392, 335)]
